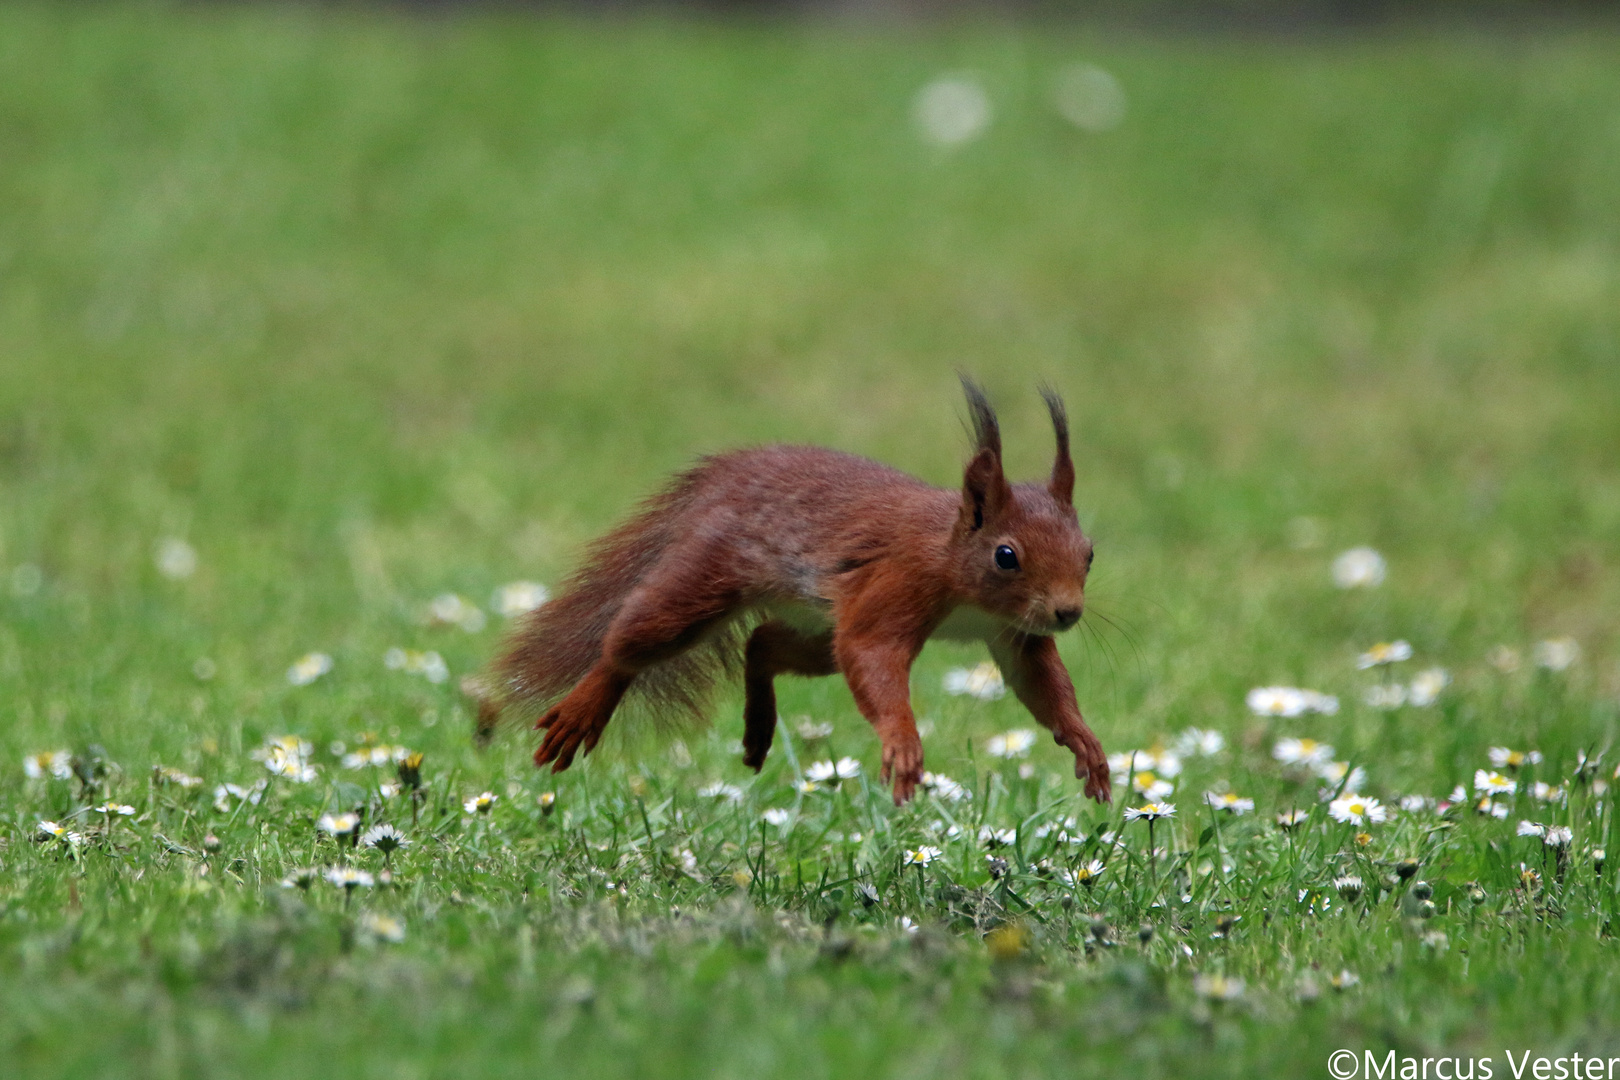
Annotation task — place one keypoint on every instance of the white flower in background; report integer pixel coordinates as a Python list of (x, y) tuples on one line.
[(1277, 701), (1558, 836), (1218, 987), (1150, 785), (287, 756), (1357, 809), (1158, 760), (1011, 744), (1493, 783), (1359, 568), (338, 824), (990, 836), (1289, 820), (810, 730), (922, 856), (163, 774), (943, 787), (1290, 701), (722, 790), (349, 877), (1416, 804), (385, 838), (224, 793), (375, 927), (1152, 811), (1303, 752), (175, 558), (952, 110), (1503, 758), (983, 682), (1385, 652), (1530, 828), (309, 667), (1228, 801), (1504, 658), (382, 754), (481, 803), (429, 664), (1490, 807), (1083, 875), (1322, 704), (1387, 697), (1088, 97), (518, 598), (453, 609), (110, 808), (778, 816), (53, 830), (1427, 685), (829, 772), (57, 764), (1199, 742), (1557, 654), (1339, 773), (1545, 792)]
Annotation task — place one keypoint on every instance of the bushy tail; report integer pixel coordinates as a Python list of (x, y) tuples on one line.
[(557, 643)]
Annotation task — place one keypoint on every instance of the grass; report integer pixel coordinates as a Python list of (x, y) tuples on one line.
[(367, 308)]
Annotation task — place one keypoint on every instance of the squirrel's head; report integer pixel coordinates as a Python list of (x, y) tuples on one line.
[(1022, 554)]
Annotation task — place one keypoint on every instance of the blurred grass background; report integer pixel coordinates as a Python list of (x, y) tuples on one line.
[(368, 305)]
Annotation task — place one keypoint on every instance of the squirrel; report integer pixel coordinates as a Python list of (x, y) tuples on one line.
[(807, 561)]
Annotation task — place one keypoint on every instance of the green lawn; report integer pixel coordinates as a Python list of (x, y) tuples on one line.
[(366, 308)]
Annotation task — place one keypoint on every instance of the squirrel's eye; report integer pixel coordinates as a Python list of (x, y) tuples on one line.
[(1006, 558)]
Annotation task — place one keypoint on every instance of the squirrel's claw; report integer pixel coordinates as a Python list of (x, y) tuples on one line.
[(902, 764)]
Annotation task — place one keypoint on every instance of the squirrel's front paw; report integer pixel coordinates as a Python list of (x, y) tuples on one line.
[(902, 763), (1090, 764)]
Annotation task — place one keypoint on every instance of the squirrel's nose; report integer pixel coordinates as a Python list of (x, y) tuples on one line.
[(1066, 617)]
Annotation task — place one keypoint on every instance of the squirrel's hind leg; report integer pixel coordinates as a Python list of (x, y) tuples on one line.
[(775, 648), (680, 602)]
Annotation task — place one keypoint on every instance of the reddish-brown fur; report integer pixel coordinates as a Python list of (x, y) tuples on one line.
[(839, 564)]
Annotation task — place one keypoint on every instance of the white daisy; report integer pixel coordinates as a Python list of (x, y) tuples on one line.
[(518, 597), (452, 609), (1199, 742), (1493, 783), (57, 764), (1228, 801), (1359, 568), (1531, 828), (1558, 836), (1385, 652), (1387, 697), (922, 856), (309, 667), (1557, 654), (832, 772), (722, 790), (777, 816), (1503, 758), (983, 682), (1151, 811), (481, 803), (1357, 809), (378, 927), (1277, 701), (1427, 685), (1150, 784), (1011, 744), (943, 787), (1303, 752)]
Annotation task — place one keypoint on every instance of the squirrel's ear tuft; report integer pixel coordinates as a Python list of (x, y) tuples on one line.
[(986, 430), (1062, 483), (984, 486)]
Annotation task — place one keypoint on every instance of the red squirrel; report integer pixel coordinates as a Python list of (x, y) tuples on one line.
[(805, 561)]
